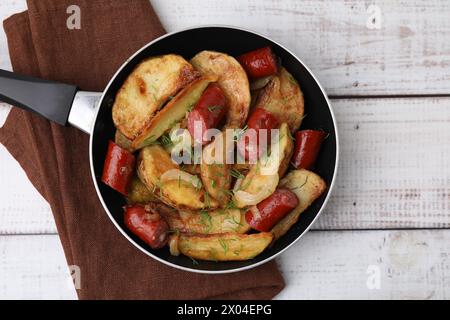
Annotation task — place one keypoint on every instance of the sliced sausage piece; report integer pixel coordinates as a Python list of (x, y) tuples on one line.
[(208, 113), (307, 147), (118, 168), (147, 225), (259, 63), (259, 119), (270, 211)]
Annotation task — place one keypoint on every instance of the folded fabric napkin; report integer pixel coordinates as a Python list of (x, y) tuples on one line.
[(55, 158)]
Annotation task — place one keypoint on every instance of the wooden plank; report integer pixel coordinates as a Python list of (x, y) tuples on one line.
[(368, 265), (8, 8), (22, 208), (34, 267), (394, 171), (408, 54), (323, 265), (394, 166)]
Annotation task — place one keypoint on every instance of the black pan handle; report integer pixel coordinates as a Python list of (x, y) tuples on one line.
[(49, 99)]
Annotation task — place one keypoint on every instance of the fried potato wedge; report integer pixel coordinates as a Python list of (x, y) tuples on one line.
[(173, 112), (216, 175), (224, 247), (263, 177), (153, 162), (146, 90), (283, 97), (138, 193), (286, 146), (308, 186), (207, 222), (232, 79)]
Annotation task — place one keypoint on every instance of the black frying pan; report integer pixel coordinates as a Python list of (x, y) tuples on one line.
[(91, 112)]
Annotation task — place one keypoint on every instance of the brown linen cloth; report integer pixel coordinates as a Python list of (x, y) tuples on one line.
[(55, 158)]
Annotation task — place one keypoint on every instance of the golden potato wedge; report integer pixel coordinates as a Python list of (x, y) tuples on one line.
[(283, 97), (215, 175), (308, 186), (207, 222), (173, 112), (224, 247), (287, 148), (263, 177), (146, 90), (123, 141), (138, 193), (232, 79), (153, 161)]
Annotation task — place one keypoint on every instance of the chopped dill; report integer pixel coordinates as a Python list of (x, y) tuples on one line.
[(198, 184), (194, 262), (224, 246), (206, 220), (290, 135), (239, 133), (213, 108), (207, 200), (231, 205), (166, 141), (292, 79), (299, 187), (174, 231), (191, 107), (236, 174)]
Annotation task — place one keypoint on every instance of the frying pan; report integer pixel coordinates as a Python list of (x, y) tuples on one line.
[(91, 112)]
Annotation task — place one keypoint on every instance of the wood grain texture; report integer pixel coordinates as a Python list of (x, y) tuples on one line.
[(338, 265), (394, 171), (409, 54), (395, 155), (323, 265), (22, 208), (394, 165), (34, 267)]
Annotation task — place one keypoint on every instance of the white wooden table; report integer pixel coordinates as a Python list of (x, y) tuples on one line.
[(385, 233)]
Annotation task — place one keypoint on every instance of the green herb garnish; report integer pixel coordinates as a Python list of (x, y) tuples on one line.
[(304, 183), (224, 245), (194, 262), (236, 174), (213, 108), (206, 220)]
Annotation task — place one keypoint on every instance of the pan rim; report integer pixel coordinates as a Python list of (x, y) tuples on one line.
[(251, 266)]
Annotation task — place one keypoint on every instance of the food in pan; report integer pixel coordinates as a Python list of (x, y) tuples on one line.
[(209, 155)]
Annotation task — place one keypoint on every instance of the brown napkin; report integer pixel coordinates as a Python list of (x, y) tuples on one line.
[(55, 158)]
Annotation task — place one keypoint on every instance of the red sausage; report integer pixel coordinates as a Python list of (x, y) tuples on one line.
[(118, 168), (307, 147), (259, 119), (148, 225), (259, 63), (209, 112), (272, 210)]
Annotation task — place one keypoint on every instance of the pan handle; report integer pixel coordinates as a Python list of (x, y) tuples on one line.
[(51, 100), (58, 102), (84, 110)]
